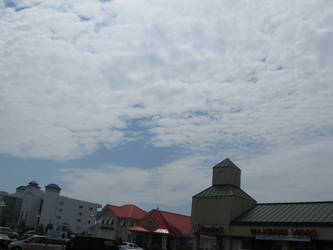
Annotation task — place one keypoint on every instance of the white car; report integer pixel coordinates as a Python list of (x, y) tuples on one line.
[(129, 246), (38, 243)]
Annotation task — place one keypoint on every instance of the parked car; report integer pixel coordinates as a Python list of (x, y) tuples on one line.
[(27, 235), (38, 243), (91, 243), (9, 232), (129, 246), (5, 241)]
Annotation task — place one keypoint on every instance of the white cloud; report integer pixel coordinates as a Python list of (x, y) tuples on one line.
[(288, 174), (203, 73), (291, 173), (169, 185)]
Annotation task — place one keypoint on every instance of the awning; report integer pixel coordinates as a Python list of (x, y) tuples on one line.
[(142, 229)]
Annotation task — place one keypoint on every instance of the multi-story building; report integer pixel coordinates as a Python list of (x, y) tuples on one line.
[(10, 207), (49, 207), (113, 222)]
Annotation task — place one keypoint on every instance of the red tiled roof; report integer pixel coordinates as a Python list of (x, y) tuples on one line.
[(164, 222), (181, 222), (127, 211)]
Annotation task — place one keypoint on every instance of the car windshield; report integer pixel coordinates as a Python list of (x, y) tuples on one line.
[(4, 237)]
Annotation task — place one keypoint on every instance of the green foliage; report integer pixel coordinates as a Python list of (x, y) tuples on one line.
[(40, 229), (48, 227), (22, 226)]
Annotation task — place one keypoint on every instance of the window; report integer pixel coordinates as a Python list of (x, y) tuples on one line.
[(37, 240), (80, 206), (88, 221), (109, 243), (59, 217), (78, 220), (60, 210), (90, 209), (80, 213), (61, 203)]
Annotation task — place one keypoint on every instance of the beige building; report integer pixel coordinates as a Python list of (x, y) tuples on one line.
[(238, 222)]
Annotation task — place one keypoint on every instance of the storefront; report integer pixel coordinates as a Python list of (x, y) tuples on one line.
[(161, 230), (238, 222)]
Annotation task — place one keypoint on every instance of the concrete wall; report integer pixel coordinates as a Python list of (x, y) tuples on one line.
[(50, 207), (78, 214), (32, 198), (211, 211), (9, 214), (218, 211)]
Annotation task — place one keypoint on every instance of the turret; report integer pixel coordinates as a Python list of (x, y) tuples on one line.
[(52, 188), (226, 172)]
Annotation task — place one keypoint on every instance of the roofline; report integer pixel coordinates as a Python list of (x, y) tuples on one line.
[(297, 202), (286, 224), (210, 197), (107, 206), (216, 196), (172, 213)]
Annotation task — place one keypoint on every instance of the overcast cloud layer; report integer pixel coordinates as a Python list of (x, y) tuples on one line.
[(215, 78)]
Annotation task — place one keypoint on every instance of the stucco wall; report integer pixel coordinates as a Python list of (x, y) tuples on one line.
[(211, 211), (226, 175)]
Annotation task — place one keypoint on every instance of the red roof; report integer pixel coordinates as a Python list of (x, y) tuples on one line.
[(127, 211), (158, 221)]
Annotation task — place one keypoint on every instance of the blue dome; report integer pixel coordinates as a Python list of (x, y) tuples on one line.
[(34, 184), (53, 186)]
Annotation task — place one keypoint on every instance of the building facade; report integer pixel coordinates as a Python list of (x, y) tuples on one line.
[(161, 230), (10, 207), (113, 222), (50, 208), (237, 221)]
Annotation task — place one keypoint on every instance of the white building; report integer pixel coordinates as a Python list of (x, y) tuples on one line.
[(113, 222), (49, 207)]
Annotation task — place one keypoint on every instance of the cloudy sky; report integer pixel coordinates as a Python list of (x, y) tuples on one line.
[(134, 101)]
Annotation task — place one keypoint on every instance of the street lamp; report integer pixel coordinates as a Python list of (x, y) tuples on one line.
[(37, 220)]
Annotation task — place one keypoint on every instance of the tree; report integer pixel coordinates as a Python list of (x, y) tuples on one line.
[(48, 227), (22, 226), (40, 229)]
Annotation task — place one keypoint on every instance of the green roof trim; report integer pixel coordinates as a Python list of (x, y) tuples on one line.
[(226, 163), (224, 190), (299, 213)]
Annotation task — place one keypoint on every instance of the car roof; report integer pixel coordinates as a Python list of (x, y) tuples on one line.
[(5, 235)]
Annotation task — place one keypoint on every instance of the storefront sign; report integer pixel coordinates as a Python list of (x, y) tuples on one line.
[(207, 229), (284, 238), (284, 231)]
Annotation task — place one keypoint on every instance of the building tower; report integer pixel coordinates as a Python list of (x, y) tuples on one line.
[(215, 207)]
